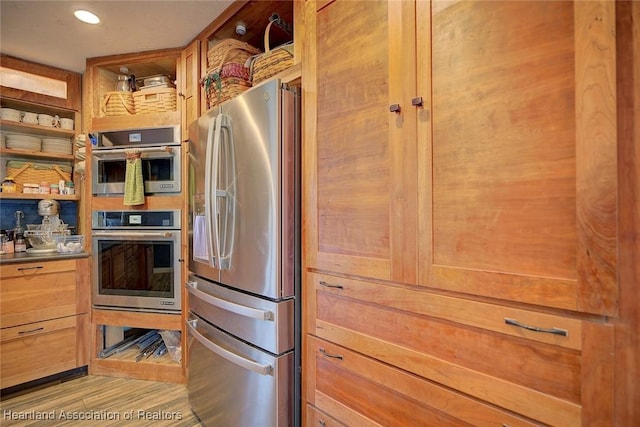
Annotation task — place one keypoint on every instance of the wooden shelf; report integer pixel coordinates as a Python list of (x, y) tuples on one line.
[(14, 152), (143, 370), (19, 127), (110, 123), (34, 196)]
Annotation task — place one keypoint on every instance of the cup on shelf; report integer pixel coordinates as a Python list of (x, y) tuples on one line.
[(30, 118), (47, 120), (10, 114), (66, 123)]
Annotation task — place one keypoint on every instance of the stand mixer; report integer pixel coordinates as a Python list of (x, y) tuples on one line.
[(41, 237)]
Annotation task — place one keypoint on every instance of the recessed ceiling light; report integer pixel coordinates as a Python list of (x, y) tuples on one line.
[(86, 16)]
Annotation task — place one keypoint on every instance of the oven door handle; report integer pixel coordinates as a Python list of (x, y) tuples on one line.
[(242, 310), (226, 354), (159, 149), (143, 234)]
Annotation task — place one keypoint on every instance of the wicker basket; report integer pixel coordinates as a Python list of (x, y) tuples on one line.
[(219, 89), (155, 100), (118, 103), (35, 173), (272, 61), (229, 50), (225, 81)]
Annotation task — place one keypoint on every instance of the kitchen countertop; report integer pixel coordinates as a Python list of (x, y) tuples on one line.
[(19, 257)]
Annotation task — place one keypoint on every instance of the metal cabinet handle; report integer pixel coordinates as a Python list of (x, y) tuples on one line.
[(417, 101), (555, 331), (329, 285), (333, 356), (31, 331), (29, 268), (395, 108), (321, 423)]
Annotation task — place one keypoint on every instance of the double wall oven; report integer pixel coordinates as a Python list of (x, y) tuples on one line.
[(137, 252)]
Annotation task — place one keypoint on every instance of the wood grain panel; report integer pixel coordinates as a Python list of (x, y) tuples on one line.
[(24, 359), (550, 370), (503, 138), (353, 153), (390, 396), (37, 297), (596, 154)]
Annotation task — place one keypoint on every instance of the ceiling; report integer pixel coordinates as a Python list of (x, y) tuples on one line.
[(46, 32)]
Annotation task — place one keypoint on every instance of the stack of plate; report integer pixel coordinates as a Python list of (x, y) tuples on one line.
[(23, 142), (3, 141), (56, 145)]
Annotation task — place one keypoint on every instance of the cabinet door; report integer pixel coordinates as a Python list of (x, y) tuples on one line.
[(359, 157), (189, 86), (518, 168)]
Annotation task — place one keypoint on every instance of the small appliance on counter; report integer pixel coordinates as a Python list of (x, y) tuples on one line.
[(42, 237)]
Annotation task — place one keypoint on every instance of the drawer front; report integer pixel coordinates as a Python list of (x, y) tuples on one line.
[(37, 297), (37, 350), (28, 269), (472, 347), (360, 391), (316, 418)]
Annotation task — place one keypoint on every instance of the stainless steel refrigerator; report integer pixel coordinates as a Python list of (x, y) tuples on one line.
[(244, 245)]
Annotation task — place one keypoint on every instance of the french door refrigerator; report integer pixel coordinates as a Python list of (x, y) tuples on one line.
[(244, 244)]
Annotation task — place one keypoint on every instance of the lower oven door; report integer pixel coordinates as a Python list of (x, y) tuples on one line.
[(136, 270), (232, 383)]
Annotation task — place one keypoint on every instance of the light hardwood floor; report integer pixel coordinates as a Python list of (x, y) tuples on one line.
[(108, 401)]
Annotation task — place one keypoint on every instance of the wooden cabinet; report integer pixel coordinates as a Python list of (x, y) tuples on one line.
[(461, 212), (518, 197), (45, 309), (123, 263)]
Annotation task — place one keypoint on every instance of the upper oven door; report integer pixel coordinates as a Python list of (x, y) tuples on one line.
[(160, 169)]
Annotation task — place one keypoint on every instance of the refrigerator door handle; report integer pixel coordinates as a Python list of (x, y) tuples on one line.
[(227, 213), (242, 310), (226, 354), (210, 185)]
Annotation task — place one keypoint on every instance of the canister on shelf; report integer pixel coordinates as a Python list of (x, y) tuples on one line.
[(8, 185), (55, 189)]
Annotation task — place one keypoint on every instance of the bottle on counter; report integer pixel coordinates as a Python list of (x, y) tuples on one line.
[(19, 245)]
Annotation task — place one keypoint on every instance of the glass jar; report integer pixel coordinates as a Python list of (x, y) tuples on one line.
[(8, 186), (55, 189)]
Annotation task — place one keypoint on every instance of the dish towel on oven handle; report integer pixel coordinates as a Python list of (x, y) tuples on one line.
[(133, 182)]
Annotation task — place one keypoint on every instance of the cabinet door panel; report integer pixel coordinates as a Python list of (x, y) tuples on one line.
[(522, 201), (357, 205)]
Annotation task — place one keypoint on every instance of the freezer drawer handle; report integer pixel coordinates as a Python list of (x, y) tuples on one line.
[(231, 357), (230, 306), (555, 331)]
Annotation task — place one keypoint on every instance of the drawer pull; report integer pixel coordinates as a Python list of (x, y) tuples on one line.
[(555, 331), (333, 356), (322, 423), (30, 268), (31, 331), (330, 285)]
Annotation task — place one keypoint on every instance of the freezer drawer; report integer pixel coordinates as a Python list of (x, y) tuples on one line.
[(234, 384), (264, 323)]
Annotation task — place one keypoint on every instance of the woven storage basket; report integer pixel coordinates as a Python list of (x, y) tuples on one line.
[(272, 61), (35, 173), (225, 81), (229, 50), (118, 103), (155, 100)]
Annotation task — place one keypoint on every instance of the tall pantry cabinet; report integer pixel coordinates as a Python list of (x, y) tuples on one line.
[(461, 202)]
